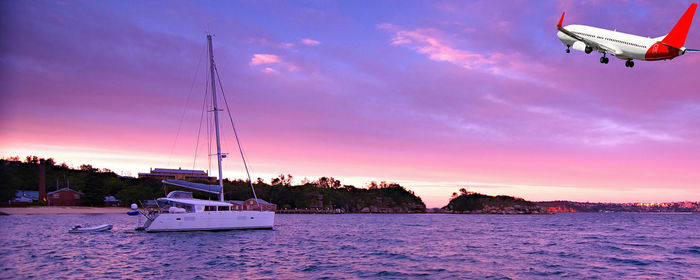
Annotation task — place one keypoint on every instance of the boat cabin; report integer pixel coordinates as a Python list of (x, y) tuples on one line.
[(182, 202)]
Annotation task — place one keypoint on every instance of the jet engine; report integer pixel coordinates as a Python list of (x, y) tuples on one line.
[(581, 46)]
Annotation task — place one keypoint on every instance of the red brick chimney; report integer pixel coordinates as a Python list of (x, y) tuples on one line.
[(42, 181)]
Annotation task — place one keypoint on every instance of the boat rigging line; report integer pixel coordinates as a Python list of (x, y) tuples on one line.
[(184, 109), (240, 149), (199, 130)]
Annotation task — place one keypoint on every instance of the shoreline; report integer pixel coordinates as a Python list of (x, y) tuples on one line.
[(53, 210), (48, 210)]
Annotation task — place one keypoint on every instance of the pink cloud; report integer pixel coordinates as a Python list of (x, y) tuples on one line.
[(437, 46), (427, 41), (270, 60), (269, 70), (261, 59), (287, 45), (310, 42)]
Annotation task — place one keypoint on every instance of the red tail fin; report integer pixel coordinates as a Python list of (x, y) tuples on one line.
[(561, 19), (676, 38)]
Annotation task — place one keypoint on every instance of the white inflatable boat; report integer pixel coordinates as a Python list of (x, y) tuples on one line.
[(79, 229)]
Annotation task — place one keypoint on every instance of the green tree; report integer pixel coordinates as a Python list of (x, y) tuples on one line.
[(93, 192)]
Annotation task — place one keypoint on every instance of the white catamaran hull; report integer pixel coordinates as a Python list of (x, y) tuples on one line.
[(221, 220)]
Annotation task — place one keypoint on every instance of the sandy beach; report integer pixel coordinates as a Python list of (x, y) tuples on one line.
[(43, 210)]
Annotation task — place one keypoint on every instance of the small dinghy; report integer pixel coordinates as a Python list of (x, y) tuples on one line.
[(79, 229)]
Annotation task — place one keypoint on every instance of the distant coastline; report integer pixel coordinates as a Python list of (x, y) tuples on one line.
[(97, 187), (49, 210), (664, 207)]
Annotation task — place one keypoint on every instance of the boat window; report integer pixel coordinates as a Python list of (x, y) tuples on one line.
[(223, 208), (209, 208), (180, 194), (188, 208)]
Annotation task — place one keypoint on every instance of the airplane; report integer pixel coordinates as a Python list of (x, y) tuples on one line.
[(627, 46)]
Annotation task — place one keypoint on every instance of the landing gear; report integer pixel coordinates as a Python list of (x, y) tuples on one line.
[(629, 63), (567, 49), (604, 59)]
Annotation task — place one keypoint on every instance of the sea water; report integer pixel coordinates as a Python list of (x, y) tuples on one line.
[(386, 246)]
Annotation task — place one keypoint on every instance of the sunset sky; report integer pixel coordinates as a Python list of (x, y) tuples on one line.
[(435, 95)]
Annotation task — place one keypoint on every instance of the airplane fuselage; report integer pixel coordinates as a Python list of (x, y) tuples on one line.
[(627, 46)]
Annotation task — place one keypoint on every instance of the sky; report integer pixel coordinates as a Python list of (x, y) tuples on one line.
[(434, 95)]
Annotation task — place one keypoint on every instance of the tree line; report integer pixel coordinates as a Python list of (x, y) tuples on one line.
[(95, 184), (470, 201)]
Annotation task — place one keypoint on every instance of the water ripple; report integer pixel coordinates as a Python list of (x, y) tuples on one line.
[(573, 246)]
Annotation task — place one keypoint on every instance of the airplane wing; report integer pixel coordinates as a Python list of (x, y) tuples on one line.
[(595, 45)]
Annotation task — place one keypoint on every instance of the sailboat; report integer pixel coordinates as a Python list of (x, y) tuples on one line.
[(179, 211)]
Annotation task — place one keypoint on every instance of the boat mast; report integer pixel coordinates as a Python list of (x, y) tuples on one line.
[(216, 118)]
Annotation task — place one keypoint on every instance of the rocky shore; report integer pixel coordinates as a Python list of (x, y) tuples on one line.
[(511, 210)]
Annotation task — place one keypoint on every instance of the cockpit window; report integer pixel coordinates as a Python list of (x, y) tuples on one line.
[(180, 194)]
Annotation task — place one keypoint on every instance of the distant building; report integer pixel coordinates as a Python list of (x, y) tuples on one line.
[(251, 204), (236, 204), (178, 174), (64, 197), (25, 197), (113, 201)]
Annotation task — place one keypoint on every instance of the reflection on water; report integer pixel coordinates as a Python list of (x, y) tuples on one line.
[(367, 246)]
